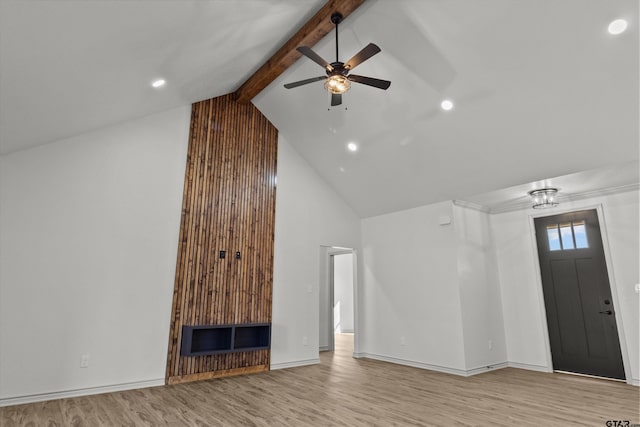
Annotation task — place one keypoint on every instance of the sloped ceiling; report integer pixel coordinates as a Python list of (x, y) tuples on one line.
[(69, 66), (540, 88)]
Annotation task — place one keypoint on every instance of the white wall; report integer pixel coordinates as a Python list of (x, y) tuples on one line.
[(411, 300), (523, 306), (483, 326), (89, 230), (343, 293), (324, 295), (326, 303), (309, 214)]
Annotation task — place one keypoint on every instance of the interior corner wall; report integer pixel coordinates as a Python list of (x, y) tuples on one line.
[(309, 215), (522, 301), (411, 298), (480, 298), (89, 230)]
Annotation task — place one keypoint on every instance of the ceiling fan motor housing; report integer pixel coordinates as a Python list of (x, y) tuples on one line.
[(338, 69)]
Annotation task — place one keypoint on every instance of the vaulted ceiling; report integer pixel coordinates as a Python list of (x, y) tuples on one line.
[(540, 88)]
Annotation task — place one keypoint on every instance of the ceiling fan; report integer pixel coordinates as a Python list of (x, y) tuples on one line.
[(338, 79)]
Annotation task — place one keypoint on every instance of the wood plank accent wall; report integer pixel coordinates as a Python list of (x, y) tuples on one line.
[(228, 204)]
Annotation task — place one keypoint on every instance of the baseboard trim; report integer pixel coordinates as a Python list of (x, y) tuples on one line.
[(294, 364), (487, 368), (323, 348), (634, 382), (529, 367), (430, 367), (40, 397), (33, 398), (224, 373)]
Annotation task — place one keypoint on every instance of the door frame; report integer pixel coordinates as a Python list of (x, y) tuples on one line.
[(331, 252), (612, 283)]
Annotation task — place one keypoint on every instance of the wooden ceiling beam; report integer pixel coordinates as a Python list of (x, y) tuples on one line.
[(311, 33)]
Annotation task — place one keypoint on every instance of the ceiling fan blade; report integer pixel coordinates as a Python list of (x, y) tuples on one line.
[(336, 99), (367, 52), (304, 82), (306, 51), (370, 81)]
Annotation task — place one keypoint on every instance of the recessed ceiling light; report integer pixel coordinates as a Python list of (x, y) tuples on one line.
[(352, 146), (158, 83), (617, 27), (446, 105)]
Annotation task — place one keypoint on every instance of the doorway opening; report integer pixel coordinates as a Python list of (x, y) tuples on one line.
[(337, 302), (581, 320)]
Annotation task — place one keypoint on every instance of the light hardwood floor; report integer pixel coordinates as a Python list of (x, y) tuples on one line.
[(343, 391)]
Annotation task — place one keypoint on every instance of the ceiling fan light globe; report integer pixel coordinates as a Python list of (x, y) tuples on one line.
[(337, 84)]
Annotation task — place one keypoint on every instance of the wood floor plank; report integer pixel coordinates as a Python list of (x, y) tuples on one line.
[(342, 391)]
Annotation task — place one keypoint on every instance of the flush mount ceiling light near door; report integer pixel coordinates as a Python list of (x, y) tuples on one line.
[(544, 198), (338, 79)]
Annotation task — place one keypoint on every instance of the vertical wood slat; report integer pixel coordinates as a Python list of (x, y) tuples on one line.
[(228, 204)]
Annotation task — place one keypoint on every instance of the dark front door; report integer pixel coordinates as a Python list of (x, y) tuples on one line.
[(577, 295)]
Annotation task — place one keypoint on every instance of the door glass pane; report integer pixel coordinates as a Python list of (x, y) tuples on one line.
[(554, 238), (580, 233), (567, 236)]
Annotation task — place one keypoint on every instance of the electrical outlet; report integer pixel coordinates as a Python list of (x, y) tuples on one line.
[(637, 288), (305, 341), (490, 344), (84, 361), (403, 341)]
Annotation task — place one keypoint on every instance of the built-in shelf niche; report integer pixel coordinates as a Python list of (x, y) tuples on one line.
[(204, 340)]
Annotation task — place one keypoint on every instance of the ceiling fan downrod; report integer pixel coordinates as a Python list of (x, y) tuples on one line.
[(336, 18)]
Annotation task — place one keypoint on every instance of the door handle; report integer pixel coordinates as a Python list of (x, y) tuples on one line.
[(607, 312)]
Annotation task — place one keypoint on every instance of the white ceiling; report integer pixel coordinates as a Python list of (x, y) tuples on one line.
[(575, 186), (540, 88), (69, 66)]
